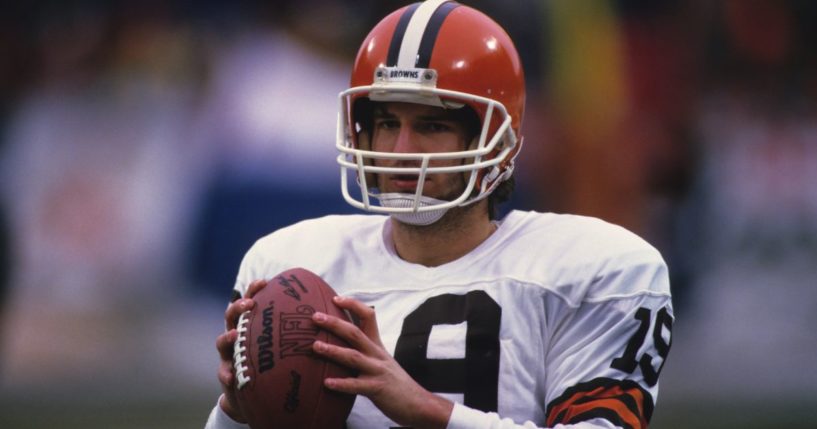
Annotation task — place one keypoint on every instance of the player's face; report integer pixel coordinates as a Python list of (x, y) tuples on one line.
[(416, 128)]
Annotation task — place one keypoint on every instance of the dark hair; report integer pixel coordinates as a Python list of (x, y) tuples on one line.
[(501, 194)]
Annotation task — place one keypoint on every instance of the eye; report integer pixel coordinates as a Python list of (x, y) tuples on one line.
[(387, 124), (435, 127)]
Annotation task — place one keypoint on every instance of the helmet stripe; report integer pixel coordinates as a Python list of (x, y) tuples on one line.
[(430, 36), (399, 32), (415, 32)]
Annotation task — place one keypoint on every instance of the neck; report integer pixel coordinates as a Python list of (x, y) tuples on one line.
[(456, 234)]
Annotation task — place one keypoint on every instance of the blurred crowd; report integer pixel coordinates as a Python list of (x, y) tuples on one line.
[(145, 145)]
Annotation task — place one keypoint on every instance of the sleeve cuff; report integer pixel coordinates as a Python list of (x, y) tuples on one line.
[(220, 420), (463, 417)]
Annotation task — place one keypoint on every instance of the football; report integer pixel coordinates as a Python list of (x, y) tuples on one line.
[(279, 378)]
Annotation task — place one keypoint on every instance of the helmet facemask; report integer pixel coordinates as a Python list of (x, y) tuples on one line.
[(484, 164)]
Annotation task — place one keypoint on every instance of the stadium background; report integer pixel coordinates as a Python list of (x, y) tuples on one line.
[(145, 144)]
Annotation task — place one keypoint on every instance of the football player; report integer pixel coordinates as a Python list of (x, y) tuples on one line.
[(466, 320)]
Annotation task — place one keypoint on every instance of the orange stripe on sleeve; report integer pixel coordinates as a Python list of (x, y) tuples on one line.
[(621, 402)]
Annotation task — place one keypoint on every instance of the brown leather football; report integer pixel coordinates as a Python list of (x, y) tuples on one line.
[(280, 379)]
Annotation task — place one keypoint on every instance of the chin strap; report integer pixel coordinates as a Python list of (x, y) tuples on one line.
[(398, 200)]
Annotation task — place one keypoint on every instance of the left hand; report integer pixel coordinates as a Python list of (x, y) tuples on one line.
[(380, 377)]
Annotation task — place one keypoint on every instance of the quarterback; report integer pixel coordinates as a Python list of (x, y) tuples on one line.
[(466, 320)]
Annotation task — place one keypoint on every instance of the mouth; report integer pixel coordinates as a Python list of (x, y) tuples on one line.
[(405, 182)]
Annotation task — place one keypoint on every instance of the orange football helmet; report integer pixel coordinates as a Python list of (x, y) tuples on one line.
[(443, 54)]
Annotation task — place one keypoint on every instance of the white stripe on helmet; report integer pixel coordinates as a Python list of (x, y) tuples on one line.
[(414, 33)]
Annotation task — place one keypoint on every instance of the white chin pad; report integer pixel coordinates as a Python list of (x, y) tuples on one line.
[(398, 200)]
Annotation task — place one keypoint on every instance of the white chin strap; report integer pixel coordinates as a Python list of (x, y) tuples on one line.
[(420, 218)]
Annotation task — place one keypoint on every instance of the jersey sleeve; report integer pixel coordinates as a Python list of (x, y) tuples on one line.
[(605, 354), (257, 264)]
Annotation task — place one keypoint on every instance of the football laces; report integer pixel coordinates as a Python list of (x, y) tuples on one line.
[(240, 350)]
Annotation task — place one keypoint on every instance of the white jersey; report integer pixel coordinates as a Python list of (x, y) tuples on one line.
[(553, 320)]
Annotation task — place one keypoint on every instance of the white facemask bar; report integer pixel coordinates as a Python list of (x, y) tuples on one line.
[(360, 160)]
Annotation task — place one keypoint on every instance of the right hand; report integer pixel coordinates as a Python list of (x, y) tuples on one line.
[(224, 344)]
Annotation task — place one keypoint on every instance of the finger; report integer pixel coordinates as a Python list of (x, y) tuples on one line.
[(254, 287), (351, 385), (350, 358), (224, 344), (365, 314), (349, 332), (226, 375), (234, 310)]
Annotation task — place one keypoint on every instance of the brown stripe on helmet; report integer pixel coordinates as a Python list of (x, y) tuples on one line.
[(399, 33)]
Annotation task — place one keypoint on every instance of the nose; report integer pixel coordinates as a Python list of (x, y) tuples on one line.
[(406, 141)]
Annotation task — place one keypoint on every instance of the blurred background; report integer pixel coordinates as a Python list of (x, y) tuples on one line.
[(144, 145)]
